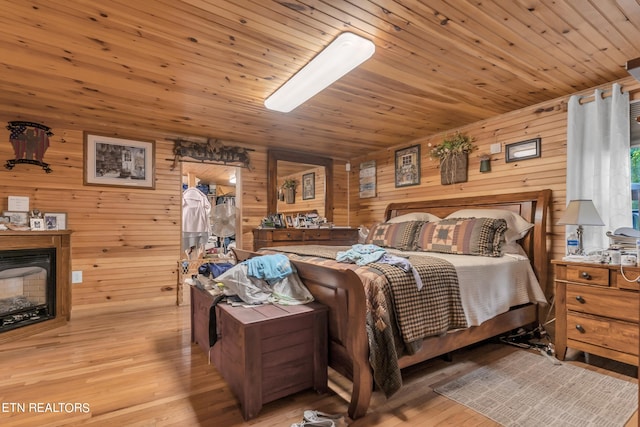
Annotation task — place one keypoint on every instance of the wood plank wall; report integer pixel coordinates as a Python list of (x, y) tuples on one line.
[(127, 241), (546, 121)]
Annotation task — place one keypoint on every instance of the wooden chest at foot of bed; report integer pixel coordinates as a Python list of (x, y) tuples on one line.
[(270, 351)]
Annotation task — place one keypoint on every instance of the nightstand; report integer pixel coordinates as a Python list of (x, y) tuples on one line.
[(597, 310)]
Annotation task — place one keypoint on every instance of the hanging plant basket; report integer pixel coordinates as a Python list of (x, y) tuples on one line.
[(289, 195), (453, 168)]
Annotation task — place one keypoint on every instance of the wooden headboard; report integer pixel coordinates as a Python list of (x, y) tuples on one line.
[(532, 206)]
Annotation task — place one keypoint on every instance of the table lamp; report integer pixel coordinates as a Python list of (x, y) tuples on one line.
[(580, 212)]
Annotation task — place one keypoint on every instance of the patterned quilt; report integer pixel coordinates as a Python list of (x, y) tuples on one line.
[(398, 315)]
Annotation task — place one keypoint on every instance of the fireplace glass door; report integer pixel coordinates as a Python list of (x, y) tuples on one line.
[(27, 287)]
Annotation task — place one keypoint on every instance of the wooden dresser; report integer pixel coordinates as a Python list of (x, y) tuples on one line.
[(597, 310), (263, 237)]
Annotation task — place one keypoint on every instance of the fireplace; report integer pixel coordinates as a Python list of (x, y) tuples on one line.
[(35, 278), (27, 287)]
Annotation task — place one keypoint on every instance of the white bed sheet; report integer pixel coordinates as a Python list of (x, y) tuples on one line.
[(490, 286)]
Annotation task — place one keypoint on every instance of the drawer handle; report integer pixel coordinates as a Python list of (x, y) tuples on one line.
[(580, 299), (288, 234), (585, 275), (580, 329)]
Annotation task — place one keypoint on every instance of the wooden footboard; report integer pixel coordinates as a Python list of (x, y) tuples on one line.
[(343, 292)]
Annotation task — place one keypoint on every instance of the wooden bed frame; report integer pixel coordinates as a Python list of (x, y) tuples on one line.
[(342, 291)]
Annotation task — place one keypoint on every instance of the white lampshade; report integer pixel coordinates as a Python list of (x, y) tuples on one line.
[(344, 54), (580, 212)]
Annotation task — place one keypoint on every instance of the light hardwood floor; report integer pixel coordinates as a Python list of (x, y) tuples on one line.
[(137, 367)]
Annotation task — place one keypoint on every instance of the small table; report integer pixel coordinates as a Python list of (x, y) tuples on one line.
[(265, 352)]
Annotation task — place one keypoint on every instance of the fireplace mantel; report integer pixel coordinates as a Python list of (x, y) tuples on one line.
[(61, 241)]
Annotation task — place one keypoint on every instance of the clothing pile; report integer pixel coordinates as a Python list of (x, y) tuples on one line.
[(363, 254), (265, 279)]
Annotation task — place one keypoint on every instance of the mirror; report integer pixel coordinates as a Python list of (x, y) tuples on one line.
[(281, 164)]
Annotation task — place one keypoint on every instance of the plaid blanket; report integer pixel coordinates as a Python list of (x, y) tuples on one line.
[(398, 315)]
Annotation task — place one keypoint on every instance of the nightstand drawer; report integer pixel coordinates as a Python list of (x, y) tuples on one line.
[(603, 302), (587, 274), (607, 333)]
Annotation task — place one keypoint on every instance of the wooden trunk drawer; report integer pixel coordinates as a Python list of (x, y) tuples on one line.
[(607, 302), (587, 274), (608, 333)]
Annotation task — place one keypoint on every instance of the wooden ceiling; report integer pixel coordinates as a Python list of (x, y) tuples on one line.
[(202, 68)]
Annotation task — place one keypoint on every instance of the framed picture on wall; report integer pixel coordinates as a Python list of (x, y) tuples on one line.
[(118, 162), (309, 186), (408, 166), (523, 150)]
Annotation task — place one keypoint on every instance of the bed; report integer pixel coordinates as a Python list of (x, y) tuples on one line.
[(342, 289)]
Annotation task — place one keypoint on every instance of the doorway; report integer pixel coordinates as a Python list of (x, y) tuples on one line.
[(220, 184)]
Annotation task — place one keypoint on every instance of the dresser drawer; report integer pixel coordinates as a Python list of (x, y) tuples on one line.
[(286, 235), (319, 234), (606, 302), (607, 333), (587, 274)]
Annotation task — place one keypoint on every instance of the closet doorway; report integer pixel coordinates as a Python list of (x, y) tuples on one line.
[(220, 184)]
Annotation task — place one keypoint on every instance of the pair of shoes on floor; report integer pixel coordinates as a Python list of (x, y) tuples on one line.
[(318, 419)]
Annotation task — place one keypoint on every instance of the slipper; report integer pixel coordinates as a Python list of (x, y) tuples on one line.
[(317, 423), (320, 416)]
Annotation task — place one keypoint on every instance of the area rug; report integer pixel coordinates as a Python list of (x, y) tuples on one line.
[(527, 389)]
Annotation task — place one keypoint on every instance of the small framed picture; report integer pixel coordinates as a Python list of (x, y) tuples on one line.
[(17, 218), (289, 220), (309, 186), (5, 219), (408, 166), (37, 224), (55, 221), (529, 149)]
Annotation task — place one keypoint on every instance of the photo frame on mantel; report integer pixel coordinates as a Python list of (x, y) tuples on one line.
[(118, 162)]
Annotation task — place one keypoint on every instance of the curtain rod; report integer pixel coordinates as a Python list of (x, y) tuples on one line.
[(606, 93)]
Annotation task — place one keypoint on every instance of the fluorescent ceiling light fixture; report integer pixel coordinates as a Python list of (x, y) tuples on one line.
[(344, 54)]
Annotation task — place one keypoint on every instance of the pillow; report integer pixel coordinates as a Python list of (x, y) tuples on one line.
[(397, 236), (414, 216), (517, 226), (463, 236)]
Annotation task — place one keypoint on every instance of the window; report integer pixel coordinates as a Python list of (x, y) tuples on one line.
[(634, 117)]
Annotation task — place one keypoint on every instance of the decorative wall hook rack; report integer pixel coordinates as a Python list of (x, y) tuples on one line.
[(212, 151)]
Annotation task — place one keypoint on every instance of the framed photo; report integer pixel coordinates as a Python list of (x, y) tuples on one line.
[(5, 219), (408, 166), (309, 186), (17, 218), (282, 221), (523, 150), (289, 220), (37, 224), (55, 221), (118, 162)]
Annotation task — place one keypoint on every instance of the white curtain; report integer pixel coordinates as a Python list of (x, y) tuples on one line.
[(598, 161)]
